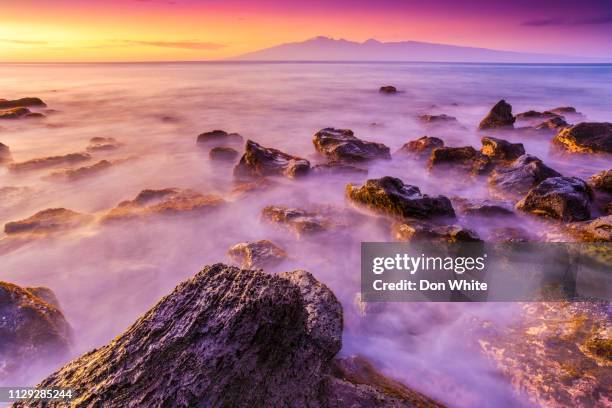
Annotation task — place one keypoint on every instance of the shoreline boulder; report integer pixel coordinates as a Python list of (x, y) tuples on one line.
[(436, 119), (257, 255), (259, 161), (387, 89), (23, 102), (421, 148), (219, 136), (341, 145), (51, 161), (223, 153), (586, 137), (418, 231), (98, 143), (297, 219), (602, 180), (564, 198), (500, 116), (465, 158), (46, 222), (521, 175), (500, 149)]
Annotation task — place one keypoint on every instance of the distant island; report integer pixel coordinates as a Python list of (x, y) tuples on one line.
[(328, 49)]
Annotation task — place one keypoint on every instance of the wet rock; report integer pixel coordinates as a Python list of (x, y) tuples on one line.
[(259, 161), (23, 102), (341, 145), (562, 110), (168, 201), (433, 119), (223, 153), (390, 196), (421, 148), (586, 137), (297, 219), (14, 113), (532, 114), (388, 89), (509, 235), (464, 158), (5, 154), (33, 331), (482, 207), (46, 295), (521, 175), (499, 149), (602, 181), (597, 230), (219, 136), (81, 172), (418, 231), (52, 161), (500, 116), (554, 124), (257, 255), (338, 168), (565, 198), (97, 144), (51, 220)]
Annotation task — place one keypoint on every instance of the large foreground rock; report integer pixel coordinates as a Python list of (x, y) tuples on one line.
[(521, 175), (565, 198), (586, 137), (5, 154), (464, 158), (33, 330), (259, 161), (47, 221), (23, 102), (390, 196), (500, 116), (225, 338), (341, 145), (499, 149)]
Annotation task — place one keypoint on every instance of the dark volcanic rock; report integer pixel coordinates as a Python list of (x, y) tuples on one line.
[(297, 219), (5, 154), (219, 136), (388, 89), (586, 137), (47, 221), (524, 173), (52, 161), (102, 144), (481, 207), (464, 158), (33, 330), (554, 124), (418, 231), (602, 180), (432, 119), (223, 153), (390, 196), (168, 201), (259, 161), (421, 148), (81, 172), (23, 102), (499, 149), (499, 117), (341, 145), (256, 255), (565, 198)]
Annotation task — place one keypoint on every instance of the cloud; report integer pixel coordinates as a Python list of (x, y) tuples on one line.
[(191, 45), (22, 42), (568, 22)]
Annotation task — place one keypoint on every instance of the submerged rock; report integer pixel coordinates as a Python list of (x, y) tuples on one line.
[(219, 136), (51, 161), (481, 207), (586, 137), (33, 331), (388, 89), (47, 221), (15, 113), (532, 114), (421, 148), (500, 116), (254, 186), (168, 201), (565, 198), (521, 175), (554, 124), (390, 196), (499, 149), (223, 153), (341, 145), (81, 172), (259, 161), (562, 110), (602, 180), (464, 158), (257, 255), (419, 231), (5, 154), (433, 119), (103, 144), (338, 168), (509, 235), (23, 102), (297, 219)]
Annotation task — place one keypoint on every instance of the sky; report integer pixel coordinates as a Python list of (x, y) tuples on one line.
[(190, 30)]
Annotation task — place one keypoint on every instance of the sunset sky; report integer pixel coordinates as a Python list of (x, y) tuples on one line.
[(159, 30)]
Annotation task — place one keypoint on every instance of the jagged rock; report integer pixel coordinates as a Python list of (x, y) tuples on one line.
[(341, 145), (23, 102), (421, 148), (598, 230), (168, 201), (388, 89), (432, 119), (258, 254), (418, 231), (554, 124), (565, 198), (5, 154), (509, 235), (102, 144), (259, 161), (47, 221), (223, 153), (33, 331), (46, 295), (586, 137), (297, 219), (499, 149), (338, 168), (219, 136), (481, 207), (531, 114), (521, 175), (464, 158), (602, 180), (51, 161), (81, 172), (390, 196), (500, 116)]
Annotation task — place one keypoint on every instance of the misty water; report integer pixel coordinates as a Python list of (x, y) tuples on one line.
[(105, 276)]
